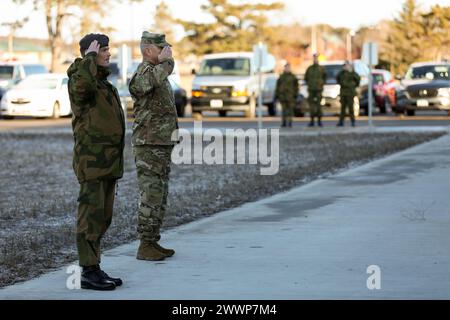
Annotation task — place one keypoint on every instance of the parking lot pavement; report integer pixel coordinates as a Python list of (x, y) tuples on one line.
[(315, 241)]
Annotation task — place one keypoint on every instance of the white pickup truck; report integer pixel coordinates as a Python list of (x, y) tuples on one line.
[(229, 82)]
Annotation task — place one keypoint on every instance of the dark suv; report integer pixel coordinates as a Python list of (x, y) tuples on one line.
[(426, 86)]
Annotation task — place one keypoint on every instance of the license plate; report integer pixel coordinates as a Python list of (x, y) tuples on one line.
[(216, 103), (422, 103)]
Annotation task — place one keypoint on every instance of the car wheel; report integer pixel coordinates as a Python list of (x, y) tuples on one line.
[(251, 110), (385, 106), (411, 113), (356, 107), (272, 109), (56, 111), (222, 113)]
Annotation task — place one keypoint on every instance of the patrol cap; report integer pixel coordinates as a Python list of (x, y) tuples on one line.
[(157, 39), (102, 39)]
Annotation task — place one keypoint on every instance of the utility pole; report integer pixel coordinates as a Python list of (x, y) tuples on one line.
[(350, 36), (313, 39)]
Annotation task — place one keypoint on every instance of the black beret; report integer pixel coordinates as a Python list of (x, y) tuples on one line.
[(102, 39)]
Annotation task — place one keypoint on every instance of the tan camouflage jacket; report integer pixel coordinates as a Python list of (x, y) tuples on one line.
[(155, 115), (98, 121)]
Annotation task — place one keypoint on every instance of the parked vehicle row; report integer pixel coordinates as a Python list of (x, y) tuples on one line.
[(29, 90), (229, 82)]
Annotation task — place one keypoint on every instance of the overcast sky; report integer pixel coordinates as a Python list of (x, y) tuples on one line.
[(131, 20)]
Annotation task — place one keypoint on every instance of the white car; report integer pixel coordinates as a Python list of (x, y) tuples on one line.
[(40, 95)]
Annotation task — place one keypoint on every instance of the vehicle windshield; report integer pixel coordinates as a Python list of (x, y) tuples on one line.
[(332, 72), (225, 67), (6, 72), (34, 69), (37, 84), (437, 72)]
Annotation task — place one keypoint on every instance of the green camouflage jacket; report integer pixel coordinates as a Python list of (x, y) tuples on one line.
[(349, 81), (155, 114), (287, 87), (98, 121), (315, 77)]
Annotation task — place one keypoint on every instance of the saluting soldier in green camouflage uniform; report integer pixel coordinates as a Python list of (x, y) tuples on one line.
[(286, 92), (155, 121), (99, 128), (349, 82), (315, 78)]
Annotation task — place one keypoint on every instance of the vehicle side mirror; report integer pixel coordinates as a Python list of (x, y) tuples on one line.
[(193, 71)]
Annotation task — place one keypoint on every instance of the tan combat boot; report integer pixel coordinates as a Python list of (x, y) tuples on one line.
[(167, 252), (148, 251)]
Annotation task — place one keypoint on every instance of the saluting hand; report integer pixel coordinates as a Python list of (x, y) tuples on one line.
[(165, 54), (93, 47)]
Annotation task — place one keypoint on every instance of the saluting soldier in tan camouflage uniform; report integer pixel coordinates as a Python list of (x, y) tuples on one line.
[(99, 129), (155, 121)]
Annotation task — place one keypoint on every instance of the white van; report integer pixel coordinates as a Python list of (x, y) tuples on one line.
[(229, 82)]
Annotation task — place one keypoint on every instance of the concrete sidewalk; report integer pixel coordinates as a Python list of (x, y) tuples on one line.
[(313, 242)]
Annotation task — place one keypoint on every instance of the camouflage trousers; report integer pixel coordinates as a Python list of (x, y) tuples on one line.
[(287, 108), (95, 210), (153, 168), (347, 103), (314, 102)]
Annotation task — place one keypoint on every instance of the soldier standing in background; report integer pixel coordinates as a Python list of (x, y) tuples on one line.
[(155, 121), (286, 92), (349, 82), (315, 78), (98, 125)]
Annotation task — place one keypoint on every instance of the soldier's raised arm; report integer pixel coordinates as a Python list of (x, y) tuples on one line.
[(83, 77), (148, 77)]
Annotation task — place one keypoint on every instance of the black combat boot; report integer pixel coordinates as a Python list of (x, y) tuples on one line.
[(92, 278), (283, 124), (353, 123), (290, 123), (117, 281), (340, 123), (311, 123)]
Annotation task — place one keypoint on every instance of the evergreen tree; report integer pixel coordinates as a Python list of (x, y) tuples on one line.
[(237, 27), (404, 43)]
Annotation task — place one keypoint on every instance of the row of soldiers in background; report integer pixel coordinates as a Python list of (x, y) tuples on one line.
[(315, 78)]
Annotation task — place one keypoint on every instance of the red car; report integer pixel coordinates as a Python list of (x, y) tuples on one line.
[(384, 87)]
